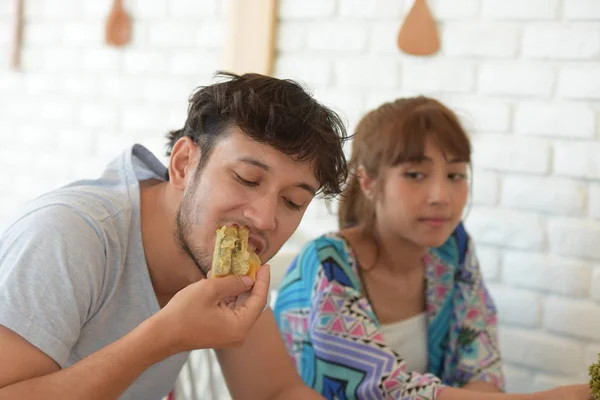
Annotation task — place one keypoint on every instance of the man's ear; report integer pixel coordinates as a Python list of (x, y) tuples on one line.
[(183, 162), (367, 184)]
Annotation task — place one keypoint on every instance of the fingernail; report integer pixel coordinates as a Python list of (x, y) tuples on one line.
[(248, 281)]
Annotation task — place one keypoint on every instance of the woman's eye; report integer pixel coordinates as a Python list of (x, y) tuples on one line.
[(245, 181), (414, 175), (457, 177)]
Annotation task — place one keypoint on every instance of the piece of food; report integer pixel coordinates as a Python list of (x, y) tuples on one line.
[(594, 371), (232, 256)]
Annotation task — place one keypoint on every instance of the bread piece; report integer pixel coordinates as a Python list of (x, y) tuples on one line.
[(231, 255)]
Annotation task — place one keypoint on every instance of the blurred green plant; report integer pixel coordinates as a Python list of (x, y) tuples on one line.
[(594, 371)]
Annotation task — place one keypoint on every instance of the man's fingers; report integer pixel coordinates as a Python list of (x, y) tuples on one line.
[(256, 299), (229, 286)]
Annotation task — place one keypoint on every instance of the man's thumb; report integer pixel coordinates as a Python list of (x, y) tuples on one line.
[(230, 286)]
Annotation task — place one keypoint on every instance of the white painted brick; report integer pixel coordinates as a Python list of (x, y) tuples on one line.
[(577, 159), (591, 354), (174, 34), (347, 103), (516, 79), (540, 351), (561, 42), (143, 118), (595, 284), (41, 33), (579, 82), (32, 8), (480, 40), (97, 115), (20, 107), (41, 84), (62, 9), (122, 88), (366, 72), (576, 318), (88, 33), (485, 187), (516, 307), (309, 229), (33, 59), (193, 8), (562, 119), (10, 82), (70, 140), (62, 59), (520, 9), (383, 38), (96, 9), (594, 200), (518, 380), (510, 229), (104, 59), (574, 237), (139, 61), (108, 145), (339, 36), (291, 36), (544, 194), (193, 64), (582, 9), (546, 273), (168, 90), (309, 9), (314, 71), (57, 110), (6, 9), (143, 9), (442, 76), (489, 263), (371, 9), (35, 136), (455, 10), (210, 35), (544, 382), (511, 153), (482, 115)]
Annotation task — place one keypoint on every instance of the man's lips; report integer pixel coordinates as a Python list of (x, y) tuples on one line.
[(256, 243)]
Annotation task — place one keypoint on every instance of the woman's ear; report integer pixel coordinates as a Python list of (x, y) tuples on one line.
[(183, 162), (367, 184)]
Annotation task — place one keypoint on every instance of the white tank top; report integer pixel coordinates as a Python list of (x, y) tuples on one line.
[(409, 339)]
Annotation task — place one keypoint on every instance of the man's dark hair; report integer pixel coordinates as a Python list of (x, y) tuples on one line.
[(277, 112)]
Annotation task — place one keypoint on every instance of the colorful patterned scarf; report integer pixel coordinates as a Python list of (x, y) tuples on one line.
[(333, 335)]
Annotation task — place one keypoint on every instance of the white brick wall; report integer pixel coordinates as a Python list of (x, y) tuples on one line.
[(523, 76)]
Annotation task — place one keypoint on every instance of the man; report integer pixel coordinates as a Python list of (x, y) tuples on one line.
[(102, 289)]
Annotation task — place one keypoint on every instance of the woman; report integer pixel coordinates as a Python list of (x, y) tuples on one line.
[(393, 305)]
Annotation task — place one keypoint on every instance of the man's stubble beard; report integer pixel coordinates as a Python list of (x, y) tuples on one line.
[(187, 218)]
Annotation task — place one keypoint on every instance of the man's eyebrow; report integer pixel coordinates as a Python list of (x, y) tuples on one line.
[(307, 187), (257, 163)]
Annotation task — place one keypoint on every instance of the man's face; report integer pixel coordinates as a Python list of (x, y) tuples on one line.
[(247, 183)]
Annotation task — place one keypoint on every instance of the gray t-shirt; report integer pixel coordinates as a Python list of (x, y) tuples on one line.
[(73, 275)]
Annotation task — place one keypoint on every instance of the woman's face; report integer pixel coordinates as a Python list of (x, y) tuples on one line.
[(422, 202)]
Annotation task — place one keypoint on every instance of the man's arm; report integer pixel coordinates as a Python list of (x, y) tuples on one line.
[(196, 318), (28, 373), (262, 368)]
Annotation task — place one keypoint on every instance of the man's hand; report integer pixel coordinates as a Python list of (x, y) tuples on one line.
[(204, 315)]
